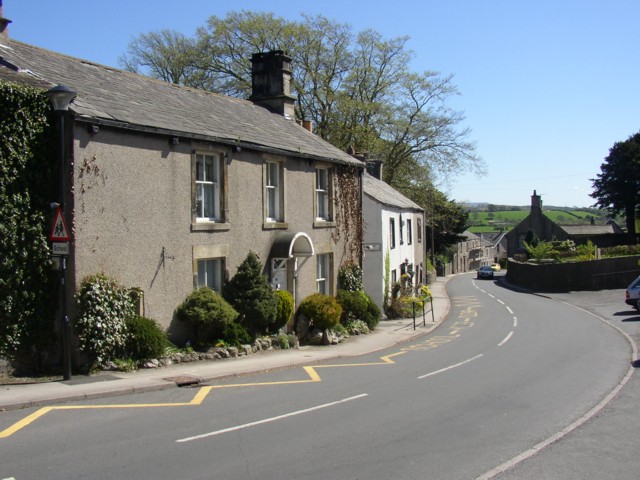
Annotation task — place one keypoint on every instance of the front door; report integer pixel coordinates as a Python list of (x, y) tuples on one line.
[(279, 276)]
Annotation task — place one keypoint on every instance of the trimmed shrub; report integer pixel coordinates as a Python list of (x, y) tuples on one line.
[(250, 293), (354, 305), (373, 314), (322, 311), (146, 339), (208, 313), (350, 277), (358, 306), (284, 310), (236, 335), (103, 305)]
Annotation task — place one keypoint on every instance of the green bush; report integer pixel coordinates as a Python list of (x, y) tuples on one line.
[(103, 306), (354, 305), (208, 313), (250, 293), (373, 314), (284, 310), (146, 339), (236, 335), (350, 277), (358, 325), (322, 311), (402, 307)]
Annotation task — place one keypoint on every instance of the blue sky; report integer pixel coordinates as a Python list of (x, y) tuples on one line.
[(546, 86)]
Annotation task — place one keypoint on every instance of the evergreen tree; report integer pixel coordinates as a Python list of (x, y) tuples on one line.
[(250, 293), (617, 186)]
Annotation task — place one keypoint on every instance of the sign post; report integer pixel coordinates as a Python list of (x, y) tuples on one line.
[(59, 231)]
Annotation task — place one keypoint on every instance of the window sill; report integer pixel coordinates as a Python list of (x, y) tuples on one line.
[(323, 224), (275, 225), (210, 227)]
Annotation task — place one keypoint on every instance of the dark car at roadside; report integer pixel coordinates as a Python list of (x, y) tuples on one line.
[(485, 272)]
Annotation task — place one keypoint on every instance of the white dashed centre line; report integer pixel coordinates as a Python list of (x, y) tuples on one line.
[(272, 419), (450, 367), (506, 339)]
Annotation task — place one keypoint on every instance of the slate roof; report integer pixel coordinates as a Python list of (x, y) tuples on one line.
[(574, 230), (387, 195), (111, 96)]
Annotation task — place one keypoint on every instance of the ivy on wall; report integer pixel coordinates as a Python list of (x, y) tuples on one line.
[(28, 286), (349, 222)]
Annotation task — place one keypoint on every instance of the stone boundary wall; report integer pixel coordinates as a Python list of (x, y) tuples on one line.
[(607, 273)]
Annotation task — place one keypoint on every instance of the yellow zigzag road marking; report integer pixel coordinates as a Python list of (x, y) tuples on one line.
[(197, 399)]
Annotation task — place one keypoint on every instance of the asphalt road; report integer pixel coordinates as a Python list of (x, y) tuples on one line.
[(505, 372), (607, 445)]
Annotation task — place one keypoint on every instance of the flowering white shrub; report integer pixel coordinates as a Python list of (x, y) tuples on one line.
[(103, 306)]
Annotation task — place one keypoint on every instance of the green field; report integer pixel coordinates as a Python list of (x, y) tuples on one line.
[(487, 222)]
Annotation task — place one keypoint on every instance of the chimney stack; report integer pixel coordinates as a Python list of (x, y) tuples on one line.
[(536, 203), (4, 25), (374, 168), (271, 82)]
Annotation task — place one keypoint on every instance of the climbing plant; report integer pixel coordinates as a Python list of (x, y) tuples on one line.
[(349, 224), (28, 286)]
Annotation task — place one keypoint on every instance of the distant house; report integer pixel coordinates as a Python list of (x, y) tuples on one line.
[(473, 252), (393, 230), (170, 187), (546, 229)]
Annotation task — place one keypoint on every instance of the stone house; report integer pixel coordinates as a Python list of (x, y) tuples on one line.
[(473, 252), (546, 229), (394, 227), (170, 187)]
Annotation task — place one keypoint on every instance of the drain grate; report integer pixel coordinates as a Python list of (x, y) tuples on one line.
[(184, 380)]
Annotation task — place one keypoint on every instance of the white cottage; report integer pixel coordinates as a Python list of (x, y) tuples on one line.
[(394, 228)]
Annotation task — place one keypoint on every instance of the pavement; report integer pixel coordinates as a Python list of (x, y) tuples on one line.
[(387, 334)]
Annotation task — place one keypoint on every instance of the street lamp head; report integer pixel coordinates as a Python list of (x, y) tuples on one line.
[(61, 96)]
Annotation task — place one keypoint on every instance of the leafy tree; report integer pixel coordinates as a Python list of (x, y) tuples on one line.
[(358, 89), (250, 293), (448, 219), (617, 186), (166, 54)]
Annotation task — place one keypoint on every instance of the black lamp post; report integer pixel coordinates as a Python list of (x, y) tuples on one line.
[(61, 97)]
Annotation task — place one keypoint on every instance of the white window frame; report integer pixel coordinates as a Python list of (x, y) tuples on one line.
[(273, 192), (323, 194), (209, 182), (210, 273), (323, 273)]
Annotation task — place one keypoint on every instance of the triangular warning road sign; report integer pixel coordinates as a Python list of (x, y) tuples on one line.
[(59, 230)]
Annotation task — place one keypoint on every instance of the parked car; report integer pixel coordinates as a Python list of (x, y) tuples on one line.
[(485, 272), (495, 267), (632, 294)]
